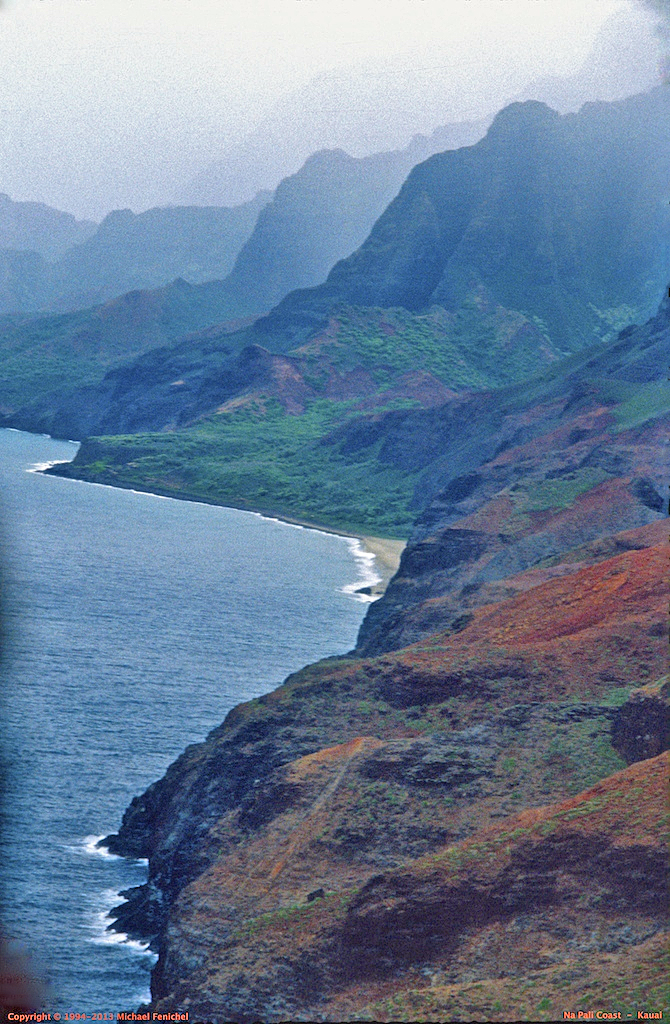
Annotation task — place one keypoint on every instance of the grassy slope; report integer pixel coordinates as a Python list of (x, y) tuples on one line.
[(57, 353), (265, 460), (44, 358), (256, 455), (544, 667)]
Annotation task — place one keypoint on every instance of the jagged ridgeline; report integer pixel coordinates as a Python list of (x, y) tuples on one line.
[(126, 251), (317, 216), (492, 262), (465, 816), (563, 218)]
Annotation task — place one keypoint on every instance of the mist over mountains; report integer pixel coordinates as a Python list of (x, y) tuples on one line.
[(621, 64), (317, 216), (623, 60), (462, 344), (138, 251), (342, 111), (320, 215), (565, 218), (39, 228), (127, 251), (553, 228)]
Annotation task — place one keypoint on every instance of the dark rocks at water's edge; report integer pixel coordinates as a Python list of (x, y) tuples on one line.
[(171, 824), (538, 879), (140, 916), (533, 593), (174, 835), (240, 771)]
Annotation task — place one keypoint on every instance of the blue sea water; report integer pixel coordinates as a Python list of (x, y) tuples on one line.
[(132, 624)]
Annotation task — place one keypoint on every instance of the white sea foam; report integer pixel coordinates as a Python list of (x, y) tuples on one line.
[(39, 467), (274, 519), (368, 575), (151, 494), (88, 846), (100, 921)]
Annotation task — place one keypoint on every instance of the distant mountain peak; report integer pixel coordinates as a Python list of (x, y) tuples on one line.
[(525, 112), (36, 227)]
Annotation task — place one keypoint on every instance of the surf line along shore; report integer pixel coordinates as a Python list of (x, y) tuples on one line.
[(387, 559), (386, 551)]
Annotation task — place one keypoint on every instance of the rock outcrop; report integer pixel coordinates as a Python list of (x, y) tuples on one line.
[(540, 478), (359, 835)]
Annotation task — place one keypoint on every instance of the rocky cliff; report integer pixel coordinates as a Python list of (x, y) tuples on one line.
[(442, 823), (291, 878), (560, 464), (464, 817), (540, 912)]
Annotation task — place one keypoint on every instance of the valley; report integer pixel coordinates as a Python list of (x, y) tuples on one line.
[(462, 356), (399, 831)]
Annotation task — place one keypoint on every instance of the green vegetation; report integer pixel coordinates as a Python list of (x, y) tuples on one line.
[(612, 320), (44, 359), (255, 455), (274, 917), (561, 751), (41, 358), (263, 459), (476, 347), (646, 402), (614, 698), (560, 492)]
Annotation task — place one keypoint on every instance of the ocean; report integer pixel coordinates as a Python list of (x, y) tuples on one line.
[(132, 624)]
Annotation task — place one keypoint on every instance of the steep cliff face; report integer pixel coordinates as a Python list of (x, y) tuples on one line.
[(573, 891), (436, 828), (561, 464), (522, 213), (318, 216), (257, 837)]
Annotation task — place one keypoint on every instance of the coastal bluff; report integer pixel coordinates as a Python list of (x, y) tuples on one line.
[(463, 816)]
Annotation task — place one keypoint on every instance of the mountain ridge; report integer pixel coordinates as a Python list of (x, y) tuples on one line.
[(472, 794), (461, 227), (440, 236), (36, 227), (129, 252)]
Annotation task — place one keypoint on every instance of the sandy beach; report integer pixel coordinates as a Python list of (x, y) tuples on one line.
[(387, 559), (387, 552)]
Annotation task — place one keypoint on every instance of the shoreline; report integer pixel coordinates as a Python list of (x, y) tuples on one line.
[(387, 559), (385, 550)]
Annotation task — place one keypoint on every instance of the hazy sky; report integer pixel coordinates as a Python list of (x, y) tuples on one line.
[(111, 103)]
